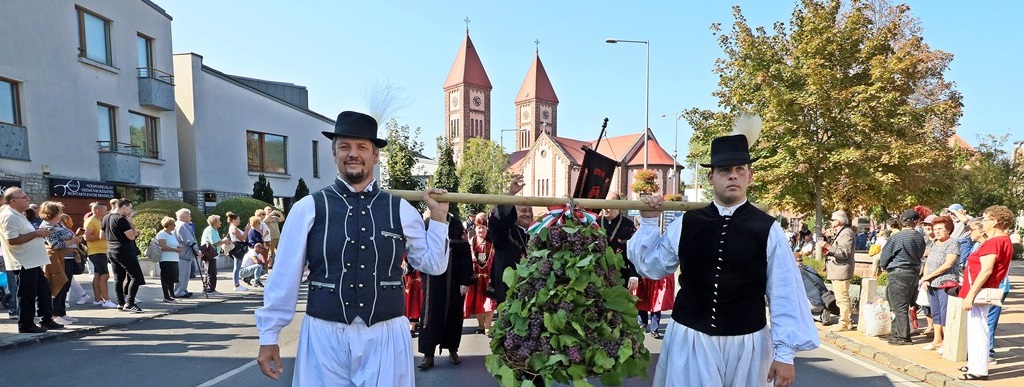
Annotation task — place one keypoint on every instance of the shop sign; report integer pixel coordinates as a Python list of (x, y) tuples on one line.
[(73, 188)]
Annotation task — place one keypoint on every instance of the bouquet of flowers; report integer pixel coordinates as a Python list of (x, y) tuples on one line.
[(567, 316), (645, 181)]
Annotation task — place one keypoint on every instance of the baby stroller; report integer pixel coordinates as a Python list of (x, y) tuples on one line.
[(822, 300)]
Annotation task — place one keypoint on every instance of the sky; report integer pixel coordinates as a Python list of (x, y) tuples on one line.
[(340, 49)]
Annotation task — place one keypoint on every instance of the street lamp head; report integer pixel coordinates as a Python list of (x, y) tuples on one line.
[(610, 40)]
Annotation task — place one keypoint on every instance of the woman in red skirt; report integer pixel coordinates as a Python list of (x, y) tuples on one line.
[(477, 303), (655, 296), (413, 297)]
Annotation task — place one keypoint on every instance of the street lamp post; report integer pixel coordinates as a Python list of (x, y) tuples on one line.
[(501, 141), (675, 151), (647, 86)]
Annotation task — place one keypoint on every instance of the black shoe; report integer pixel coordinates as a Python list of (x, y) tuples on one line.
[(895, 341), (168, 299), (479, 331), (50, 324), (133, 308), (657, 335), (186, 295), (248, 281), (31, 329), (428, 363), (973, 377)]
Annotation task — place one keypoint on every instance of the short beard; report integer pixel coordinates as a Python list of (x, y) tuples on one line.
[(354, 177)]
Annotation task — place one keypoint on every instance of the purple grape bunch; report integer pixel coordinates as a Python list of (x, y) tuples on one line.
[(574, 355)]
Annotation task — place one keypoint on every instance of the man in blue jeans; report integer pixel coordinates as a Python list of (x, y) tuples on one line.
[(253, 265)]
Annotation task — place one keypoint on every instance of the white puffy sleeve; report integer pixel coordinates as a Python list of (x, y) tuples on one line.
[(425, 248), (655, 255), (792, 328)]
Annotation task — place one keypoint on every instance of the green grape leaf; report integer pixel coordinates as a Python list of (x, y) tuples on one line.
[(557, 358), (612, 378), (625, 351)]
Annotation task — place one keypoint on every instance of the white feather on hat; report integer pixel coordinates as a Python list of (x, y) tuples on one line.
[(748, 125)]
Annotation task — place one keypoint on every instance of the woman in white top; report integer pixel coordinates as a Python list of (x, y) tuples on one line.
[(169, 253), (238, 248)]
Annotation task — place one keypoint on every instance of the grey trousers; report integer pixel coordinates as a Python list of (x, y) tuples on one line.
[(184, 272)]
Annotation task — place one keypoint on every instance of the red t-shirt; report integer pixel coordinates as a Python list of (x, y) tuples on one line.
[(1003, 249)]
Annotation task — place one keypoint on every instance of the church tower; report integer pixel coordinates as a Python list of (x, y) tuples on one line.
[(536, 106), (467, 103)]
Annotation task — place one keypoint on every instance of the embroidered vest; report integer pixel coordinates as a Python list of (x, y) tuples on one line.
[(354, 253), (723, 271)]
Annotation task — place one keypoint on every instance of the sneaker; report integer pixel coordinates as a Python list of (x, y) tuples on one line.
[(241, 288), (248, 281), (62, 321), (98, 303), (133, 309), (69, 318), (259, 284), (109, 305), (930, 347), (50, 324), (120, 307), (82, 300), (992, 360)]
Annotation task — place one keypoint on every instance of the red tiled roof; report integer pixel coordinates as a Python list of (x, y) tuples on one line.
[(656, 155), (516, 157), (956, 141), (618, 147), (573, 148), (537, 85), (467, 68)]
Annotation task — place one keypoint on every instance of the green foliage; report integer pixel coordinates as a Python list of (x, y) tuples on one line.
[(168, 208), (856, 108), (482, 171), (883, 278), (645, 181), (817, 264), (983, 178), (244, 206), (567, 316), (446, 176), (148, 224), (301, 190), (261, 190), (400, 157)]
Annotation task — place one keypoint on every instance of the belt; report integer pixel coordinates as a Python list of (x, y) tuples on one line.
[(904, 269)]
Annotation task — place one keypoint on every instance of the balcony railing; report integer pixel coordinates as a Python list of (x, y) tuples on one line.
[(119, 162), (149, 72), (127, 149)]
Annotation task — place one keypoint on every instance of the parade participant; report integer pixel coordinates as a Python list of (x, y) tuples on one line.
[(444, 298), (839, 265), (733, 258), (618, 230), (477, 302), (351, 235), (413, 283), (506, 227)]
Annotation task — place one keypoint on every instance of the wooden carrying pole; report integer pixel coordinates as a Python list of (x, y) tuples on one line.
[(534, 201)]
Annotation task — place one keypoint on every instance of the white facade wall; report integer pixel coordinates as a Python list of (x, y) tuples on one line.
[(59, 91), (215, 113)]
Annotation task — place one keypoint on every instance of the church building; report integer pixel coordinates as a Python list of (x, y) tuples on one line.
[(550, 164)]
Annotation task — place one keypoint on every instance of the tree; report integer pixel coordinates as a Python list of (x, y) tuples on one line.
[(400, 157), (261, 190), (982, 178), (856, 108), (482, 171), (445, 177), (301, 191)]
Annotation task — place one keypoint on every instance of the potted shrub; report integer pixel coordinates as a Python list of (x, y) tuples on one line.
[(645, 182)]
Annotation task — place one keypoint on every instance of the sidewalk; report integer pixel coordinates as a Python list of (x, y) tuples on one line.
[(94, 319), (929, 366)]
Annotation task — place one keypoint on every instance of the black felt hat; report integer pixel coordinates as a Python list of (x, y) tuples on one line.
[(727, 151), (356, 125)]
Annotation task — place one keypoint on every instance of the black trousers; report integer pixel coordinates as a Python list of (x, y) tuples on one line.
[(128, 276), (210, 268), (901, 291), (33, 290), (168, 277)]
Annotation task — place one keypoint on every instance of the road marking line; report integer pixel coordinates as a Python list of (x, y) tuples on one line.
[(227, 375), (873, 367)]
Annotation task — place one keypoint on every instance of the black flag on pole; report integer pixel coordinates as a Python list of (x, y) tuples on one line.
[(595, 177)]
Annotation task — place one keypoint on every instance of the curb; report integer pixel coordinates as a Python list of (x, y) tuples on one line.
[(907, 367), (77, 333)]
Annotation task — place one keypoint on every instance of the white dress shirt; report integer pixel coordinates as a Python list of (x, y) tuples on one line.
[(656, 255), (425, 250)]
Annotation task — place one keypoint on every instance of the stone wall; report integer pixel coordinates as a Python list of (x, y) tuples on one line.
[(166, 193), (195, 198), (34, 185)]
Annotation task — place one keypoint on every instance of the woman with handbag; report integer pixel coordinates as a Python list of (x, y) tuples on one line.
[(938, 275), (208, 246), (170, 251), (238, 249), (62, 242), (985, 269)]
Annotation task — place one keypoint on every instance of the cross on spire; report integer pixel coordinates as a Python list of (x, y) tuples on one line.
[(467, 24), (537, 42)]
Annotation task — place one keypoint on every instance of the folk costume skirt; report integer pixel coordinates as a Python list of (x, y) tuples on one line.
[(692, 358), (354, 355)]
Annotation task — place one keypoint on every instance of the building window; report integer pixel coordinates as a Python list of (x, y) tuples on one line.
[(145, 48), (94, 37), (266, 152), (107, 135), (316, 158), (144, 135), (10, 105)]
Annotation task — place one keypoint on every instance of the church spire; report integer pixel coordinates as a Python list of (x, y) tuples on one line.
[(467, 69), (537, 85)]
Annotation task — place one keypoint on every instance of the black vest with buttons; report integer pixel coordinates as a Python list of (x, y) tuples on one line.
[(723, 271), (354, 253)]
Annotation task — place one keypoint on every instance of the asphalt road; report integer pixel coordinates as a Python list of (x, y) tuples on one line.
[(215, 345)]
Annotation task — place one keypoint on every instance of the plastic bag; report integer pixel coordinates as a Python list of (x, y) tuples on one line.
[(922, 296), (876, 319)]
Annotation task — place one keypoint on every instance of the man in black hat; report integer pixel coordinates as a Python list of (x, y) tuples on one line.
[(732, 256), (352, 236)]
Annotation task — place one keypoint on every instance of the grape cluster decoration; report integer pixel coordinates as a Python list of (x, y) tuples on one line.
[(567, 316)]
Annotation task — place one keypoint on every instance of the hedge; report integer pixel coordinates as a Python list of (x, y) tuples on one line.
[(148, 215), (244, 206)]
